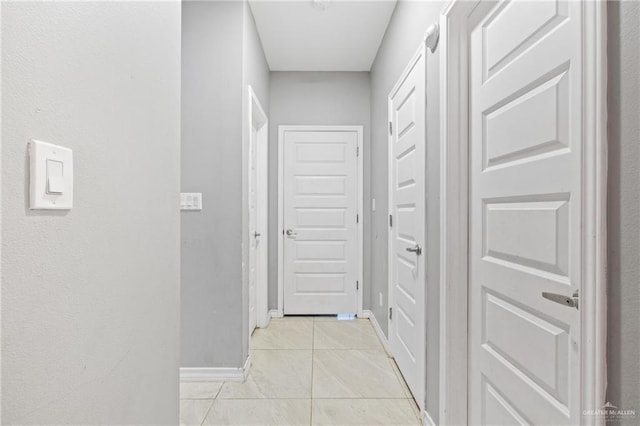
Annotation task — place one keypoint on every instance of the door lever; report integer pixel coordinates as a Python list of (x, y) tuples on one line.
[(256, 234), (417, 249), (571, 302)]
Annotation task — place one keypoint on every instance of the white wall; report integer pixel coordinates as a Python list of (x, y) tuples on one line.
[(90, 297), (624, 207), (404, 34), (323, 98)]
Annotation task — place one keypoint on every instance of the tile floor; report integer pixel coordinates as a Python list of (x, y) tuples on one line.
[(307, 371)]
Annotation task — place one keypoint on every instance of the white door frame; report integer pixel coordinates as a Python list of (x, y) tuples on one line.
[(360, 176), (259, 122), (421, 52), (455, 215)]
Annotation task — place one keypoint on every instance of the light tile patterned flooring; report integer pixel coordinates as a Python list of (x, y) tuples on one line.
[(307, 371)]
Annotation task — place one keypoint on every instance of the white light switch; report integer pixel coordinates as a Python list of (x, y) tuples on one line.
[(50, 176), (55, 177), (191, 201)]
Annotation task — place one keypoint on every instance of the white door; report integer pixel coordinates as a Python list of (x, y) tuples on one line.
[(320, 222), (254, 236), (525, 179), (407, 327)]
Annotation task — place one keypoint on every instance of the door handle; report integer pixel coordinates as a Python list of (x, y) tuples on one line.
[(256, 234), (571, 302), (291, 233), (417, 249)]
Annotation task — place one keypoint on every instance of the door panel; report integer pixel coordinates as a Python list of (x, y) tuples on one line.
[(320, 208), (524, 225), (407, 333)]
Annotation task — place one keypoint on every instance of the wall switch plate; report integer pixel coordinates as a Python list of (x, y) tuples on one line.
[(380, 297), (191, 201), (373, 204), (50, 176)]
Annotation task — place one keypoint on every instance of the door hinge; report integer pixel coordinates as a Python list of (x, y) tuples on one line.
[(357, 218), (390, 128), (357, 151), (390, 312), (357, 285), (390, 221)]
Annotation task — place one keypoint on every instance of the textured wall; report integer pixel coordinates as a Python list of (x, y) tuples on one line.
[(90, 296), (211, 292), (324, 98), (406, 30), (624, 207)]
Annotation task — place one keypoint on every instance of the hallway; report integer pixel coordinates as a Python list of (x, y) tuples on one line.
[(307, 370)]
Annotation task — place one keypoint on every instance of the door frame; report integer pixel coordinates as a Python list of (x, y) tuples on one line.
[(360, 228), (454, 248), (420, 52), (259, 122)]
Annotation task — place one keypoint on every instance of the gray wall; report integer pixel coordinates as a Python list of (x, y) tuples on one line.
[(404, 34), (624, 207), (211, 292), (90, 296), (221, 56), (323, 98)]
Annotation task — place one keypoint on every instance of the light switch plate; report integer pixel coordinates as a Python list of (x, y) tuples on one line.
[(191, 201), (50, 176)]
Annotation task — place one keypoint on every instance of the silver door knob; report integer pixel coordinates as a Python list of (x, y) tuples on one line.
[(291, 233), (417, 249)]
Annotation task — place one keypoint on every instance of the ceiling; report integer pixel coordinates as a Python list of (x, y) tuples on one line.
[(321, 35)]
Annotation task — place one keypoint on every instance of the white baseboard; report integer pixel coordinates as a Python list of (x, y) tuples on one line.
[(426, 419), (374, 322), (215, 374), (273, 313)]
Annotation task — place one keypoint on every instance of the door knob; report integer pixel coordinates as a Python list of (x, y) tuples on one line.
[(291, 233), (256, 234), (417, 249)]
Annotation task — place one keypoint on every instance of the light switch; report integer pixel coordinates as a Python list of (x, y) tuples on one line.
[(55, 177), (191, 201), (50, 176)]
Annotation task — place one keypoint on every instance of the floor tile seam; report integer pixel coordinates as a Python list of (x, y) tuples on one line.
[(198, 398), (264, 399), (282, 349), (207, 413), (395, 398)]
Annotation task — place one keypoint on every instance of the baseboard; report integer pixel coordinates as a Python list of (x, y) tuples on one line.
[(215, 374), (273, 313), (374, 322), (366, 314), (426, 419)]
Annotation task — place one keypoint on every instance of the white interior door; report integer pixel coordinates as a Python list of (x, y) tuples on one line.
[(525, 180), (320, 222), (407, 327), (254, 236)]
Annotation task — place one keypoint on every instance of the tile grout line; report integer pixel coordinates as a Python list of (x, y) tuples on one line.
[(207, 413)]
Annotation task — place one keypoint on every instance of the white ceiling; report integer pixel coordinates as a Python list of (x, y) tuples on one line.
[(300, 36)]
